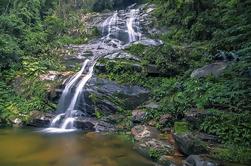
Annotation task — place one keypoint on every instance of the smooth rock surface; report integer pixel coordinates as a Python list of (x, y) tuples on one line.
[(214, 69), (188, 144)]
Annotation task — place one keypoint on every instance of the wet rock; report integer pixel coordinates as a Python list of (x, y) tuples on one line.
[(40, 119), (142, 132), (85, 124), (196, 160), (189, 144), (93, 124), (214, 69)]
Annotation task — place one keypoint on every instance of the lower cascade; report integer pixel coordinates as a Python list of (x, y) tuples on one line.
[(110, 42)]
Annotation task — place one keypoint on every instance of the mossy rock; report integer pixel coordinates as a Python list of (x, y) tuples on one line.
[(181, 127)]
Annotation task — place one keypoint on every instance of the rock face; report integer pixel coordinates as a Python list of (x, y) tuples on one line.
[(195, 160), (188, 144), (214, 69), (108, 96)]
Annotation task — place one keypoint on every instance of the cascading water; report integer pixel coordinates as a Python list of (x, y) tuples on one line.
[(131, 23), (111, 31)]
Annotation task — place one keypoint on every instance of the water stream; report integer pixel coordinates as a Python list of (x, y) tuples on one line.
[(113, 37)]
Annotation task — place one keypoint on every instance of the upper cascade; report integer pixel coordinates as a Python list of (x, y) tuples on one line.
[(119, 29), (123, 25)]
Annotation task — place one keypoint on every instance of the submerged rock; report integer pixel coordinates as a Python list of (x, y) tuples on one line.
[(214, 69)]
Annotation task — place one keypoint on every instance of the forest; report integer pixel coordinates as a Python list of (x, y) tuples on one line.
[(199, 77)]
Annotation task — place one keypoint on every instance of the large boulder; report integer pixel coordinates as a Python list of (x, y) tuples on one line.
[(188, 144), (214, 69), (108, 96), (149, 144)]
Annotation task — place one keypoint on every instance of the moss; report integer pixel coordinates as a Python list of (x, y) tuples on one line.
[(181, 127)]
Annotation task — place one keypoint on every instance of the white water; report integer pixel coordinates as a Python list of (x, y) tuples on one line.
[(81, 86), (130, 23), (64, 122), (109, 23), (68, 87), (68, 123)]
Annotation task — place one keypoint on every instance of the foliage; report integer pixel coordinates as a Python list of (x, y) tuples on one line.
[(233, 154)]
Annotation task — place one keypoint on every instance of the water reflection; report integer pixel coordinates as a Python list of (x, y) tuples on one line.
[(28, 148)]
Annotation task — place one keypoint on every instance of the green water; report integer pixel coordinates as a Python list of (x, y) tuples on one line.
[(25, 147)]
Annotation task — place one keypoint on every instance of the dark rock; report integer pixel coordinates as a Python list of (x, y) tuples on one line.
[(104, 127), (85, 124), (112, 119), (194, 116), (195, 160), (207, 137), (100, 68), (164, 119), (214, 69), (226, 56), (109, 96), (153, 70), (93, 124), (40, 119), (138, 116), (188, 144)]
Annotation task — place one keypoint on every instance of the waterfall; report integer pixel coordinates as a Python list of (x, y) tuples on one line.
[(121, 27), (130, 26)]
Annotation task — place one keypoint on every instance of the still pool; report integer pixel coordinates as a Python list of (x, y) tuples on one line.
[(27, 147)]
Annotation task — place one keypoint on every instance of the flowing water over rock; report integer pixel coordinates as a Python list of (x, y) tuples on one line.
[(121, 28)]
